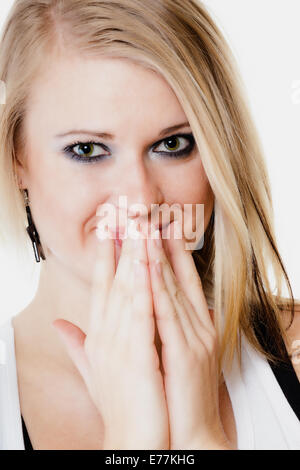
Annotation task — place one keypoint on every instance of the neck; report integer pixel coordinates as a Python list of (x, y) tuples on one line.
[(60, 294)]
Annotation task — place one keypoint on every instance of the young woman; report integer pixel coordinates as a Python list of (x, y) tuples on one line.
[(139, 342)]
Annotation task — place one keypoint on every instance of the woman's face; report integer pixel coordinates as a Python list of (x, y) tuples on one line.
[(72, 103)]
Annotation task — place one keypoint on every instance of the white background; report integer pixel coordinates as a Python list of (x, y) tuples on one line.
[(265, 38)]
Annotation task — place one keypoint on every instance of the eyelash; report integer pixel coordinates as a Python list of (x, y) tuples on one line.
[(178, 154)]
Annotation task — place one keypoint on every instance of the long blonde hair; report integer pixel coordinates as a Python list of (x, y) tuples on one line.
[(178, 40)]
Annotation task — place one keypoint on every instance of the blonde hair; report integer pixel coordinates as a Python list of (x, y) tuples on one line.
[(178, 40)]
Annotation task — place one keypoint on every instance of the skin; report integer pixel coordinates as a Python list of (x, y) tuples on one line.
[(134, 104)]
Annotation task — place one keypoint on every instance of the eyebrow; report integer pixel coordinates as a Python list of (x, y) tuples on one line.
[(106, 135)]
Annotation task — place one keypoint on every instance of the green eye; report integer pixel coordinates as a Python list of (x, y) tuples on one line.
[(172, 143), (83, 149), (86, 152), (172, 147)]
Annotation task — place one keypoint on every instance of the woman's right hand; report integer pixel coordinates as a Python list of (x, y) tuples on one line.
[(117, 357)]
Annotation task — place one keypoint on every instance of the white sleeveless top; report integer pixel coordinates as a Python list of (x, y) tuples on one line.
[(263, 416)]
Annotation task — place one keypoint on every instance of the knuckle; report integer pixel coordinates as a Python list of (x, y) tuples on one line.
[(153, 263), (196, 282), (203, 351), (166, 313), (99, 282), (142, 317), (194, 355), (179, 295), (121, 288), (211, 343)]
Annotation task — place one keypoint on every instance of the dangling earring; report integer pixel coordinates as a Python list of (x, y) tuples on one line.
[(32, 231)]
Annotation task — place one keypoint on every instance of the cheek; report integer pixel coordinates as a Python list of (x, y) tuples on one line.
[(197, 216), (193, 188), (63, 204)]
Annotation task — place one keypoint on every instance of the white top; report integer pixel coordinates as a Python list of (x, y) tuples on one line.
[(264, 418)]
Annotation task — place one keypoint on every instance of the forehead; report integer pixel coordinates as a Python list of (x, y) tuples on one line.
[(110, 91)]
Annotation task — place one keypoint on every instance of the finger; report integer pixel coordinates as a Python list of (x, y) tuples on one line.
[(142, 301), (167, 315), (175, 291), (102, 279), (188, 277), (193, 329), (73, 339), (121, 293), (135, 306)]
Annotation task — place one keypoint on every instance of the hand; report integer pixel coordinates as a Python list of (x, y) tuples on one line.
[(189, 348), (117, 358)]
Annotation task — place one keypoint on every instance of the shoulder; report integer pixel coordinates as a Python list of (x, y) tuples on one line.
[(293, 338)]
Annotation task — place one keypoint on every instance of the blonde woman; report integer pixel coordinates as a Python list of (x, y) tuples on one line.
[(138, 342)]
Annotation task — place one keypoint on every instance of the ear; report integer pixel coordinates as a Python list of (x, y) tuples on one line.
[(21, 173)]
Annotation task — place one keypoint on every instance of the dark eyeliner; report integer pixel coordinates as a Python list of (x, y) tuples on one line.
[(181, 153), (68, 150)]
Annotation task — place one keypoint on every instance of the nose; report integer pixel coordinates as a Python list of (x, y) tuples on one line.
[(138, 192)]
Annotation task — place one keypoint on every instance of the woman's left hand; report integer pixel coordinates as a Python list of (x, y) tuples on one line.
[(189, 348)]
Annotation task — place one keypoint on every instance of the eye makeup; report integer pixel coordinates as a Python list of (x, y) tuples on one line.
[(86, 145)]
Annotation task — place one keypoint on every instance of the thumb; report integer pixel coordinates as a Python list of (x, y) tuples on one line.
[(73, 339)]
